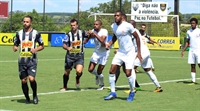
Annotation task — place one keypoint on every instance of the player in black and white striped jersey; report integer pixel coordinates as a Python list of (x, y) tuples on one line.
[(74, 44), (27, 39)]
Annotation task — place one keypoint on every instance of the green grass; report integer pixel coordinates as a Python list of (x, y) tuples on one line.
[(169, 65)]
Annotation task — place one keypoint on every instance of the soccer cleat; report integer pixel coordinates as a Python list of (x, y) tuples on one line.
[(28, 101), (158, 89), (101, 87), (35, 100), (96, 80), (112, 95), (77, 83), (153, 69), (193, 83), (128, 91), (63, 89), (138, 88), (136, 71), (130, 97)]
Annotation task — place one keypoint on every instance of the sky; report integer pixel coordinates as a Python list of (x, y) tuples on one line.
[(186, 6)]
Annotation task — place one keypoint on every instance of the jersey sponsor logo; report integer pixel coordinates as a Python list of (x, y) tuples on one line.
[(75, 51), (25, 54), (76, 43), (27, 44)]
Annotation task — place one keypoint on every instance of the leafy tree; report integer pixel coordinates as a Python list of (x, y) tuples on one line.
[(17, 18)]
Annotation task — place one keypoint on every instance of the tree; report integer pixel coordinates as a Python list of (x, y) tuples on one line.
[(17, 18)]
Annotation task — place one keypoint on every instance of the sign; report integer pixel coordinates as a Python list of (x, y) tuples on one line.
[(167, 43), (4, 9), (8, 38), (57, 39), (149, 11)]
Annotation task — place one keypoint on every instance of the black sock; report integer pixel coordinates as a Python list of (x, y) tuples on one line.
[(117, 74), (78, 75), (25, 91), (34, 88), (136, 84), (65, 80)]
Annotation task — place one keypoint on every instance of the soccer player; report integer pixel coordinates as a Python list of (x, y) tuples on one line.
[(100, 54), (193, 38), (27, 62), (123, 31), (74, 44)]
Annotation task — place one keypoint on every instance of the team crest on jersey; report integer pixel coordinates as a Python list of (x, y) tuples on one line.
[(76, 43), (27, 44)]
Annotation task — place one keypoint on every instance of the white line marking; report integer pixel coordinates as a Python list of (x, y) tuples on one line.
[(57, 92)]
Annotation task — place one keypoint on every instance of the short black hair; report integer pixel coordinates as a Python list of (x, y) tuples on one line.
[(141, 32), (28, 16), (99, 21), (74, 20), (143, 25), (121, 13), (194, 19), (124, 15)]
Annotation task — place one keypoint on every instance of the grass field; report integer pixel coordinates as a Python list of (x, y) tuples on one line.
[(172, 71)]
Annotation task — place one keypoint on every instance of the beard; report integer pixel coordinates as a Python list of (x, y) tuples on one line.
[(26, 27)]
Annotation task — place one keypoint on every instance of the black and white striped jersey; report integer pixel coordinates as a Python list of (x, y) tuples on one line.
[(27, 40), (76, 41)]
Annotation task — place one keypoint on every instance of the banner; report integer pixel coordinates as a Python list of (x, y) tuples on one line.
[(149, 11), (167, 43), (8, 38), (57, 39), (4, 11)]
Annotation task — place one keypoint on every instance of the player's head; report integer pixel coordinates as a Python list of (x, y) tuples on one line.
[(97, 25), (143, 27), (124, 17), (118, 17), (133, 23), (193, 22), (74, 24), (27, 22), (141, 32)]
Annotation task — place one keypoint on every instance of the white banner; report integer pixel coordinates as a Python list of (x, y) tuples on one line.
[(149, 11)]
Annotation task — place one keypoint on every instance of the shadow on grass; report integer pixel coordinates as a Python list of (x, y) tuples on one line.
[(21, 101), (187, 82)]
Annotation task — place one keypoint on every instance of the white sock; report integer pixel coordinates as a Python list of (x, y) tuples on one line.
[(151, 62), (134, 77), (112, 82), (131, 82), (193, 74), (94, 72), (101, 79), (153, 78)]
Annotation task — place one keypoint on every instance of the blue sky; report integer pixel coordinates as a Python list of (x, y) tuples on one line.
[(186, 6)]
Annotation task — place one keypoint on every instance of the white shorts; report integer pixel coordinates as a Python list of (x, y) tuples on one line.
[(146, 63), (126, 58), (100, 57), (194, 56)]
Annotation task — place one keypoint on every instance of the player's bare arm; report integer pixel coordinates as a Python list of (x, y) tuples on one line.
[(100, 39), (151, 40), (112, 41), (184, 48), (66, 47), (138, 45), (39, 48)]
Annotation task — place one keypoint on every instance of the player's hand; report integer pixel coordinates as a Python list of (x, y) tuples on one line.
[(15, 48), (69, 48), (33, 51), (107, 46), (139, 57), (115, 51), (159, 44), (182, 54)]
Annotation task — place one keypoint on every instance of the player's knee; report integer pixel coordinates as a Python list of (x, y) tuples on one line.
[(24, 80), (147, 69), (31, 79), (90, 70)]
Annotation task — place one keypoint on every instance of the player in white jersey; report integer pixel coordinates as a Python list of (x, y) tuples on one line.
[(123, 31), (193, 38), (100, 54)]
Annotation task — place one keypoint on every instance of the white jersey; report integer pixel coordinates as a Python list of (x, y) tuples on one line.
[(123, 32), (98, 45), (143, 43), (194, 36)]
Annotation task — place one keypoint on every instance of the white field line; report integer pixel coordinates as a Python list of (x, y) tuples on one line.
[(4, 61), (57, 92)]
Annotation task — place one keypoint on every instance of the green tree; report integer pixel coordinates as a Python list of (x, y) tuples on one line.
[(17, 19)]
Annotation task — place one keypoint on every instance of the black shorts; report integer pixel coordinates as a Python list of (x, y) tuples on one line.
[(71, 60), (28, 69)]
